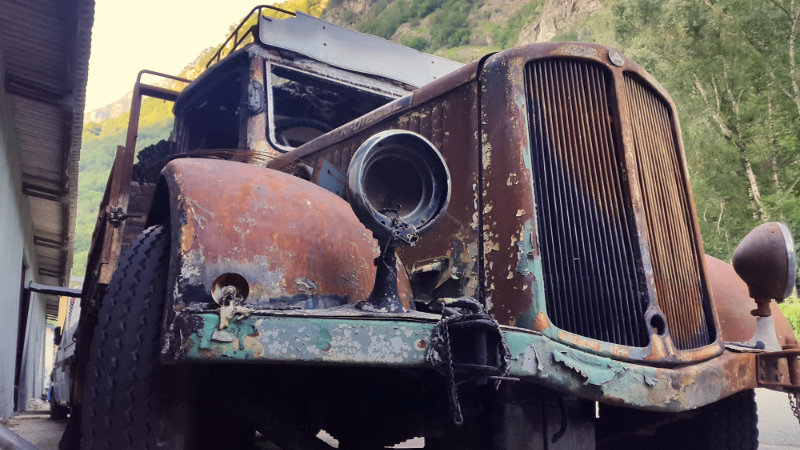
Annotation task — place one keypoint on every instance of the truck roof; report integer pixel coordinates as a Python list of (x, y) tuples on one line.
[(351, 50)]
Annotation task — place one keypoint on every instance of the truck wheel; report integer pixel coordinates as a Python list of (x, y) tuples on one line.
[(730, 423), (58, 412), (124, 402)]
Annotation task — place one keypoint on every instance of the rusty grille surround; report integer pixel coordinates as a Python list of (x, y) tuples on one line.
[(680, 288), (600, 281)]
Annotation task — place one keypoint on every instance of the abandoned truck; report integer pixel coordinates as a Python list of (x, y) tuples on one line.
[(343, 234)]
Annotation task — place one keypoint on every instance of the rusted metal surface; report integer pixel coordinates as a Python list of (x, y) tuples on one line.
[(306, 339), (537, 120), (444, 113), (347, 336), (766, 260), (510, 256), (107, 238), (139, 201), (779, 370), (666, 289), (589, 251), (674, 248), (388, 116), (239, 35), (108, 233), (295, 244), (733, 305), (256, 131)]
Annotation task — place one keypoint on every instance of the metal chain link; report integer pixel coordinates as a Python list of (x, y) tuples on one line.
[(794, 403), (444, 349), (455, 405)]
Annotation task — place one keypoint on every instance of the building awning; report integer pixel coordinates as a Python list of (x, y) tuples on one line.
[(46, 45)]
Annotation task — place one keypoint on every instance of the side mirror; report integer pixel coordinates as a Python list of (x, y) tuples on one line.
[(57, 336)]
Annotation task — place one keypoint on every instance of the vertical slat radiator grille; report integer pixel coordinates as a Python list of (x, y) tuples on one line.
[(592, 280), (670, 226)]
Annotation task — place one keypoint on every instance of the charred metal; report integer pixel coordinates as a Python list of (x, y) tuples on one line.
[(513, 239)]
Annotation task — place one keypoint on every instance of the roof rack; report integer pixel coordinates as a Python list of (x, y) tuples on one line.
[(234, 39)]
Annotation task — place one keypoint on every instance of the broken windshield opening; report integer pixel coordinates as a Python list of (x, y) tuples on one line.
[(304, 106)]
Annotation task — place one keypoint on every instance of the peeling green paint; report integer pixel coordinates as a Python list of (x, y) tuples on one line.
[(394, 342), (229, 348), (324, 340), (596, 372), (346, 341), (210, 324), (530, 265)]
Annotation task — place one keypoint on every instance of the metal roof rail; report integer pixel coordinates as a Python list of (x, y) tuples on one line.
[(234, 40)]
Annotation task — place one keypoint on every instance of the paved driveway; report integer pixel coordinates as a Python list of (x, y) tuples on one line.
[(778, 428)]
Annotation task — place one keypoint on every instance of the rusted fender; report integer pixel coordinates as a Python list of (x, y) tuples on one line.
[(294, 243), (733, 304)]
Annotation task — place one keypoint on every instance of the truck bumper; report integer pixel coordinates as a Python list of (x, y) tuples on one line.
[(346, 337)]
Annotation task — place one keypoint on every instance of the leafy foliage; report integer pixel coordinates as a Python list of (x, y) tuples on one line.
[(446, 25), (791, 309)]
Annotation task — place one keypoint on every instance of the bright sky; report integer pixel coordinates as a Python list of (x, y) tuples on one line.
[(160, 35)]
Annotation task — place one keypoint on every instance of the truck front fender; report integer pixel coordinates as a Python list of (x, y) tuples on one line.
[(295, 244), (733, 304)]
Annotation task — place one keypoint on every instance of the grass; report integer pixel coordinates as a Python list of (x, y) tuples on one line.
[(791, 309)]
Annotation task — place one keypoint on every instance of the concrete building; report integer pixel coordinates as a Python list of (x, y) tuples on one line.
[(44, 57)]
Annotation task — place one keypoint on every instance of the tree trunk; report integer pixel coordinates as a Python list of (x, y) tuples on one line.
[(734, 136)]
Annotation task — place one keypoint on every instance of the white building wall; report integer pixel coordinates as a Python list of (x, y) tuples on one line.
[(16, 249)]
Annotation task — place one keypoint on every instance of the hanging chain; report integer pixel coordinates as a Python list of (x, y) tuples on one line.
[(452, 387), (440, 351), (794, 403)]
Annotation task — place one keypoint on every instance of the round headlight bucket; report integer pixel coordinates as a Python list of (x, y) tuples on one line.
[(766, 261), (398, 173)]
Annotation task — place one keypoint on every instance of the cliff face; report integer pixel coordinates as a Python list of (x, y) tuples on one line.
[(347, 12), (557, 17), (109, 111)]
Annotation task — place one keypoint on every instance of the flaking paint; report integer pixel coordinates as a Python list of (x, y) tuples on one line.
[(395, 342)]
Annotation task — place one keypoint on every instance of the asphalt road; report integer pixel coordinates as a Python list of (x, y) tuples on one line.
[(778, 428)]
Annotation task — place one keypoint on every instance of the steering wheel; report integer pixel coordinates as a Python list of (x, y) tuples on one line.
[(296, 131)]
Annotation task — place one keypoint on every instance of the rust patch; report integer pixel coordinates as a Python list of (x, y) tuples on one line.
[(658, 349), (577, 50), (187, 236), (287, 237), (579, 341), (620, 351), (253, 346), (541, 322)]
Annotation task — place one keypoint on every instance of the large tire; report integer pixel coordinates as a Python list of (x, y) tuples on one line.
[(729, 424), (732, 423), (58, 412), (124, 404)]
